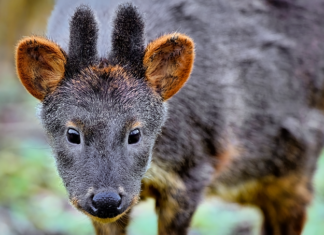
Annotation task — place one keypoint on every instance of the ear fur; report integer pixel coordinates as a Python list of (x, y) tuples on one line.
[(40, 65), (168, 61)]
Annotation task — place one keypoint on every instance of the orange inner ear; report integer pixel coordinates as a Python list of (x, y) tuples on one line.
[(40, 65), (168, 61)]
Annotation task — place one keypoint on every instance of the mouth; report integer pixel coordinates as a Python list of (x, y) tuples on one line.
[(76, 204)]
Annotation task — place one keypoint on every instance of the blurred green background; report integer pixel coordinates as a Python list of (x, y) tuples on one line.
[(32, 197)]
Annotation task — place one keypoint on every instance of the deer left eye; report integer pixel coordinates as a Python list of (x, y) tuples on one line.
[(73, 136), (134, 136)]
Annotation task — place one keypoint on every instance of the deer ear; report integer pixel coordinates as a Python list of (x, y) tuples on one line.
[(40, 65), (168, 61)]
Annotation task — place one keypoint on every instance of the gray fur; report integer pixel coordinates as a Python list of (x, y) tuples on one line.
[(257, 84)]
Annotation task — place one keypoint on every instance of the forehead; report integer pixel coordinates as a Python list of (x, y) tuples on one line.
[(104, 92), (109, 86)]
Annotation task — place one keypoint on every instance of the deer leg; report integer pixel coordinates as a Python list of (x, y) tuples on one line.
[(175, 211), (176, 197), (292, 225), (284, 206), (282, 200)]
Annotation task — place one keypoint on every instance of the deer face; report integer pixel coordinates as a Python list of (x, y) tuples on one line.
[(102, 116), (102, 124)]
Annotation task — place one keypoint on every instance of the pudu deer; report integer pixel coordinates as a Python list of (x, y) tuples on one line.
[(125, 121)]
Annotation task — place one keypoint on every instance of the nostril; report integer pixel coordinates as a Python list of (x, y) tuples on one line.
[(119, 201), (92, 204), (106, 204)]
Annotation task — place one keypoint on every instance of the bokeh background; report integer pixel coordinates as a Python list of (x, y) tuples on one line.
[(33, 200)]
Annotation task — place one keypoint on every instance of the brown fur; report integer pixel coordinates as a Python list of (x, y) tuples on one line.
[(40, 65), (119, 227), (115, 70), (225, 158), (165, 184), (282, 200), (169, 57), (167, 188), (136, 125), (71, 124)]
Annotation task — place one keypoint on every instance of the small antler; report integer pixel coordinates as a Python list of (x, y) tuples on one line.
[(83, 39), (128, 39)]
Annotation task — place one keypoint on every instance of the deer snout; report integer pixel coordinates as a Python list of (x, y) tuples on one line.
[(106, 204)]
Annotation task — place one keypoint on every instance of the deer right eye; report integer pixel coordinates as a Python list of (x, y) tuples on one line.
[(134, 136), (73, 136)]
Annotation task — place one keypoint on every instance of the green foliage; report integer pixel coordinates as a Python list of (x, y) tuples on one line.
[(315, 223), (33, 199), (33, 194)]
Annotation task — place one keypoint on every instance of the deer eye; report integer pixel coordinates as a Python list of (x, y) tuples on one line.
[(134, 136), (73, 136)]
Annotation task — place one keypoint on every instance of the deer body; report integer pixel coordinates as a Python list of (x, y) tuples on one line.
[(246, 126)]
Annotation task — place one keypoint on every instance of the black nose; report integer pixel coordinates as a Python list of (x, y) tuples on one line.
[(106, 204)]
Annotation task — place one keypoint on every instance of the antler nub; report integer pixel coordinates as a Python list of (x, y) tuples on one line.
[(83, 39)]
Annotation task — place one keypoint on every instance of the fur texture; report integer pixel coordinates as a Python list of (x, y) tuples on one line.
[(40, 65), (83, 40), (247, 126), (175, 52)]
